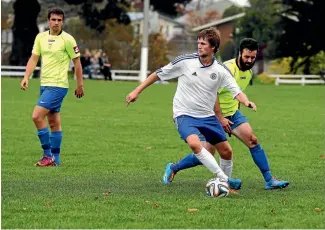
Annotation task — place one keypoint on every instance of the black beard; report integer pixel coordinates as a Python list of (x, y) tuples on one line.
[(245, 66)]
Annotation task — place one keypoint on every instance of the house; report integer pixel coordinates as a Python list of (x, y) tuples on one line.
[(225, 26), (157, 23)]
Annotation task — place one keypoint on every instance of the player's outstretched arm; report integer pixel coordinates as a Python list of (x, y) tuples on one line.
[(79, 92), (31, 65), (133, 96), (242, 98)]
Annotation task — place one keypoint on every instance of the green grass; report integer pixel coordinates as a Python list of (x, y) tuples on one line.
[(113, 160)]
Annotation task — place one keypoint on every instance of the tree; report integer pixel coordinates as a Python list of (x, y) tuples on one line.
[(300, 32), (95, 12), (24, 30), (168, 6)]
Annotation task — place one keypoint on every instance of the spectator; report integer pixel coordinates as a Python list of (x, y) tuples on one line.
[(105, 66), (86, 64)]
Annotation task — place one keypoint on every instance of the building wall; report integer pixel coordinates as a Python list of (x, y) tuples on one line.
[(225, 31)]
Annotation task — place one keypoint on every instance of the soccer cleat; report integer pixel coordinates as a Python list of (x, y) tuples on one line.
[(275, 184), (46, 161), (169, 174), (234, 183)]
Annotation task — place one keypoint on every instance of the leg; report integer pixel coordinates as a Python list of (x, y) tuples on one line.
[(245, 133), (109, 73), (56, 135), (204, 156), (38, 117), (225, 152)]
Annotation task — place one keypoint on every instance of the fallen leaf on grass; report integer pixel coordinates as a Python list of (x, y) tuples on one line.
[(322, 156), (318, 209), (192, 210), (148, 201), (47, 204), (148, 147), (106, 193), (139, 214), (156, 205)]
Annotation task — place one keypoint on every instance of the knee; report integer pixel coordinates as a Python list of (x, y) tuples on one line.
[(196, 147), (226, 153), (37, 118), (253, 140)]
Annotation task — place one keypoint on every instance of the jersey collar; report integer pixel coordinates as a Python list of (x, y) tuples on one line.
[(205, 66), (56, 35)]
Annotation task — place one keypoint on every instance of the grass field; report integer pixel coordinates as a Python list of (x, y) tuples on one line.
[(114, 157)]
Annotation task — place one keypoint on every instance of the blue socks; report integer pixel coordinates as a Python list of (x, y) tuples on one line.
[(260, 159), (187, 162), (258, 155), (56, 140), (44, 137)]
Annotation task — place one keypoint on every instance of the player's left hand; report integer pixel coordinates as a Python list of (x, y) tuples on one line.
[(252, 105), (226, 125), (79, 92)]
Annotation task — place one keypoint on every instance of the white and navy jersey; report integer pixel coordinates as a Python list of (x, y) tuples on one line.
[(198, 85)]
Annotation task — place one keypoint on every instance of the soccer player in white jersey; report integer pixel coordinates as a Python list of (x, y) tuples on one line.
[(200, 76), (56, 48), (234, 122)]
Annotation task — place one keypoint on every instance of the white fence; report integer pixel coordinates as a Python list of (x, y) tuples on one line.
[(124, 75), (298, 79), (15, 71)]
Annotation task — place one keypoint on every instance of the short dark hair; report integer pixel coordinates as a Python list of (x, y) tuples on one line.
[(248, 43), (212, 35), (55, 10)]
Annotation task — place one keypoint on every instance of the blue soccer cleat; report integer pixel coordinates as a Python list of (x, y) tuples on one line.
[(234, 183), (169, 174), (275, 184)]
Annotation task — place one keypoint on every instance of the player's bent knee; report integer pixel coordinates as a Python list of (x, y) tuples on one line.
[(195, 144), (226, 154), (225, 151)]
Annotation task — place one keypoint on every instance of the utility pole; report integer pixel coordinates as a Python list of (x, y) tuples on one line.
[(144, 48)]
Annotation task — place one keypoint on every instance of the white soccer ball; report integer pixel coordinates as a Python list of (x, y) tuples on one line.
[(217, 187)]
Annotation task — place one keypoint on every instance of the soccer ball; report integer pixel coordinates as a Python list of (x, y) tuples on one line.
[(217, 187)]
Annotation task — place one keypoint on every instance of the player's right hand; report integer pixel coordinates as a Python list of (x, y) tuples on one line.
[(131, 97), (226, 125), (24, 84)]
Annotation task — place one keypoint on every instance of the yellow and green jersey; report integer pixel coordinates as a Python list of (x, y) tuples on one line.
[(56, 53), (228, 104)]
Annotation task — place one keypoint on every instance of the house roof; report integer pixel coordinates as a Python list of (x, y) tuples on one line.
[(135, 16), (218, 22)]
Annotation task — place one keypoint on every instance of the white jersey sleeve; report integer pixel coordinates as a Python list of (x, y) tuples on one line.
[(230, 83), (173, 70)]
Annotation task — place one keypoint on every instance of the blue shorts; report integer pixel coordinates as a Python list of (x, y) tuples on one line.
[(238, 118), (207, 128), (51, 97)]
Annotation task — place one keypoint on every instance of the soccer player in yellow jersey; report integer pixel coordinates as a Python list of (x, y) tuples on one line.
[(56, 49), (234, 122)]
